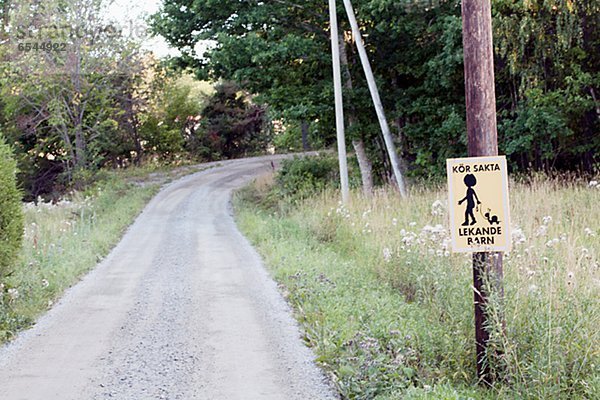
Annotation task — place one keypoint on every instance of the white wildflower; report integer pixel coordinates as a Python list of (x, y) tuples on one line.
[(541, 231), (518, 236), (408, 238), (437, 208), (593, 184), (45, 283), (589, 232), (387, 254), (446, 243), (532, 289), (394, 221), (546, 220), (13, 294), (412, 224)]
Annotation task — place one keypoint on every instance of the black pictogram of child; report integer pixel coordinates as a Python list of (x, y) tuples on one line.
[(470, 197)]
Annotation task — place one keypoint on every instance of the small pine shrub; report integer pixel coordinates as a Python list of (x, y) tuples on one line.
[(11, 212)]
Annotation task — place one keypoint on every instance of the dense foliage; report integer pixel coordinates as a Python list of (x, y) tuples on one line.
[(11, 214), (546, 71), (300, 178), (104, 101), (233, 126)]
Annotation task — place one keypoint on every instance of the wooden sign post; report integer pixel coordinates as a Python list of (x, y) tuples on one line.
[(482, 141)]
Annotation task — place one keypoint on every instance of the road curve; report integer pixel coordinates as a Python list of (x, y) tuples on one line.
[(182, 308)]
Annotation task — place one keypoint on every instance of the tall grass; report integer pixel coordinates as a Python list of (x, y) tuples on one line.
[(389, 308)]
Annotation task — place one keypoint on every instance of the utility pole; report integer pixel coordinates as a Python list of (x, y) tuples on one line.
[(339, 107), (385, 129), (482, 141)]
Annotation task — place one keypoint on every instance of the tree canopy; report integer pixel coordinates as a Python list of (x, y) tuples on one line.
[(546, 71)]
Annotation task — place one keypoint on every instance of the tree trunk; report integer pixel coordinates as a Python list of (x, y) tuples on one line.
[(364, 164), (80, 144), (305, 143), (80, 157)]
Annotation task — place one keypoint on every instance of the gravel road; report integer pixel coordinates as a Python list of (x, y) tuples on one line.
[(182, 309)]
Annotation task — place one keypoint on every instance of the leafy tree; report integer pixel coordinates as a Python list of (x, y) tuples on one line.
[(275, 50), (233, 125), (171, 122), (548, 79), (546, 60), (69, 111)]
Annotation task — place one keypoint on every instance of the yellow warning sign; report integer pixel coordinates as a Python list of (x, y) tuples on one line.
[(478, 204)]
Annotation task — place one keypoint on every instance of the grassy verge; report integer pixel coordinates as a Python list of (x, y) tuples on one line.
[(389, 310), (65, 240)]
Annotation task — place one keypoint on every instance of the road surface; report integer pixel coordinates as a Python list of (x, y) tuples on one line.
[(182, 309)]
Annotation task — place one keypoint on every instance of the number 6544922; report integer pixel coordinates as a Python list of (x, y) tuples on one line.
[(45, 46)]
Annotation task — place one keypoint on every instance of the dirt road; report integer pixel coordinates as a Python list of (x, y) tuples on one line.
[(181, 309)]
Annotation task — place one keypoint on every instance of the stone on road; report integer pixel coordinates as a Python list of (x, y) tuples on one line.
[(182, 308)]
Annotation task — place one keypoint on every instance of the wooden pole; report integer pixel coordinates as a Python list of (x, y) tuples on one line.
[(482, 141), (385, 129), (339, 108)]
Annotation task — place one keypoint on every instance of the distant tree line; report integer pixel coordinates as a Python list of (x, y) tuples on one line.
[(101, 101), (546, 57), (104, 102)]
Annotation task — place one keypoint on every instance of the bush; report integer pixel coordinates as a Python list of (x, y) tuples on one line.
[(300, 178), (11, 212)]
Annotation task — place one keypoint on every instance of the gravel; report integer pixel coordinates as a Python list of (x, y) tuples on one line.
[(182, 309)]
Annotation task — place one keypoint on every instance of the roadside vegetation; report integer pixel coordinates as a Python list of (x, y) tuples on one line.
[(388, 308), (65, 239)]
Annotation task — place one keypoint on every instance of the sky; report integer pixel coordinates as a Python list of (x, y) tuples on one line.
[(131, 18)]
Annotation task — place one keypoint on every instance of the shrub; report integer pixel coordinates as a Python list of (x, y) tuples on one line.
[(11, 212), (302, 177)]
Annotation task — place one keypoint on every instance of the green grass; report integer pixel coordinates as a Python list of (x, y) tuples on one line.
[(389, 310), (65, 240)]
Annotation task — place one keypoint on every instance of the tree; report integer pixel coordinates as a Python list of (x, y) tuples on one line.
[(548, 80), (546, 59), (233, 125), (11, 210), (69, 106)]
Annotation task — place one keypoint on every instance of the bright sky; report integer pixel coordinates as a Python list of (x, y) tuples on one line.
[(131, 18)]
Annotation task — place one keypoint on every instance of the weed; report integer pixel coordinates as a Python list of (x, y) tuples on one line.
[(389, 309)]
